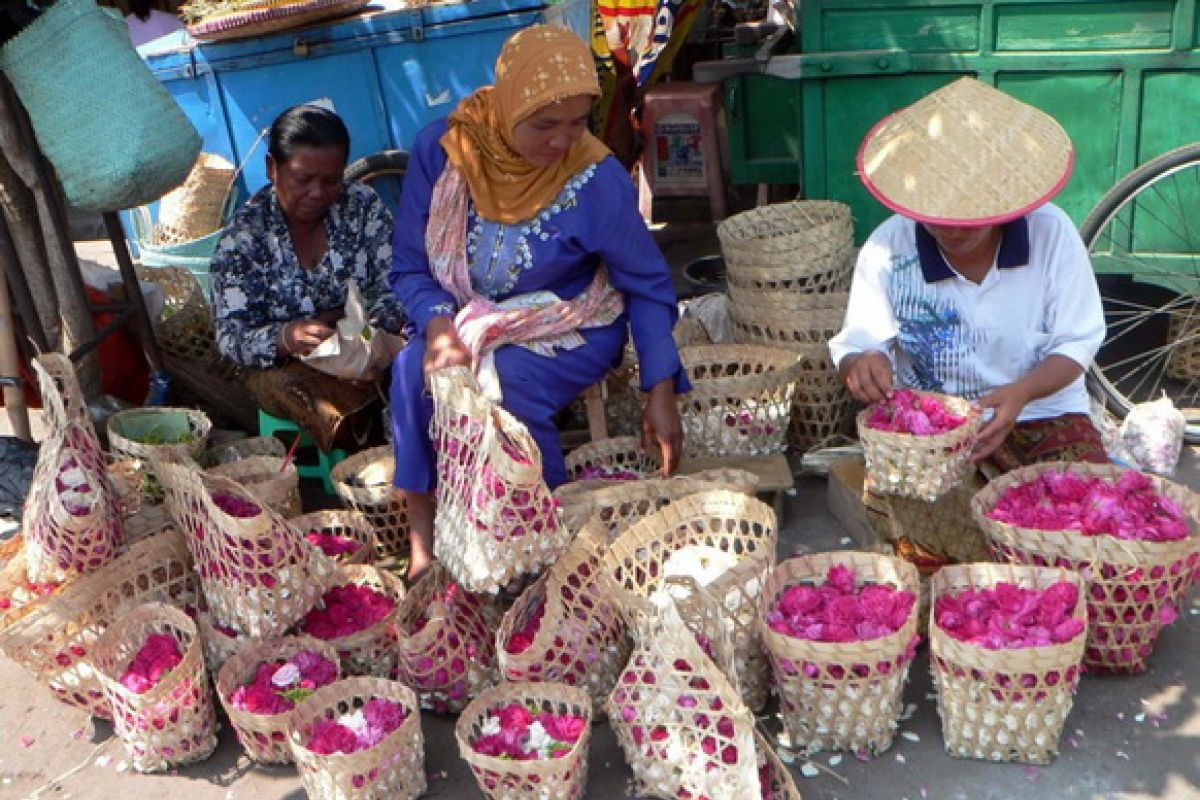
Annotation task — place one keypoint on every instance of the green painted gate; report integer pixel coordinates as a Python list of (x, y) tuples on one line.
[(1122, 77)]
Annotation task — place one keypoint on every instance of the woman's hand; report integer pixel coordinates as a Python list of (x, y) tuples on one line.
[(661, 425), (443, 348), (868, 376), (299, 338)]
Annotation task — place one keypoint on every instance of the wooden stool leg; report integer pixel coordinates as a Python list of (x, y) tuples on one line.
[(593, 401)]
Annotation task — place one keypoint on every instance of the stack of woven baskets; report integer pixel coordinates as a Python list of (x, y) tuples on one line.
[(788, 268)]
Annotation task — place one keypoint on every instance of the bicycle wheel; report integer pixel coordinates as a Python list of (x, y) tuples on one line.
[(384, 172), (1144, 241)]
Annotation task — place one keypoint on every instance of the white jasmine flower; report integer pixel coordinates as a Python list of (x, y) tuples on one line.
[(234, 298), (490, 727), (355, 721), (285, 676), (539, 740)]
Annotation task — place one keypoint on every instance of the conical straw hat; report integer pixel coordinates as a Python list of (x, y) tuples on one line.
[(966, 154)]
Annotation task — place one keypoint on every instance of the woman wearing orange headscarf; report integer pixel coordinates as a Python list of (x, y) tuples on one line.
[(512, 201)]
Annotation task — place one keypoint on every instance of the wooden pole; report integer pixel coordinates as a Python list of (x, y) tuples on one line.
[(10, 367), (19, 144), (19, 212)]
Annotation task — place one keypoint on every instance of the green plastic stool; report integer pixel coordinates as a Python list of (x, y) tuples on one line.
[(325, 462)]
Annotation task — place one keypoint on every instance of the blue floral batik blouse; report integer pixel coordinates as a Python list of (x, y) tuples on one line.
[(259, 285)]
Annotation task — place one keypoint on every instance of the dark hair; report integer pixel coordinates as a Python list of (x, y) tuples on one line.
[(140, 9), (306, 126)]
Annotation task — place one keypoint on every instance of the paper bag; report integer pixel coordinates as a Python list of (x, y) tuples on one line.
[(357, 350)]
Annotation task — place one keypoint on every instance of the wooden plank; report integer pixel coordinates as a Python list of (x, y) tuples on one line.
[(774, 473), (228, 398), (844, 498)]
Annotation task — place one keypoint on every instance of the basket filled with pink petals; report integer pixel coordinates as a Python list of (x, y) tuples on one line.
[(342, 534), (261, 686), (1132, 536), (1006, 642), (272, 479), (151, 669), (620, 458), (359, 738), (527, 740), (841, 631), (357, 616), (918, 444)]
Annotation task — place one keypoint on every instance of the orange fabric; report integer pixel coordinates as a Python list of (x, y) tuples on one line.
[(538, 66)]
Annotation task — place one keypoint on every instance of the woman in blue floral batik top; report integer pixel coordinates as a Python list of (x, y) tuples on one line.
[(280, 274)]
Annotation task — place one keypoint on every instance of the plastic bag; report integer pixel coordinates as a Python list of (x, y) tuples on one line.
[(357, 350), (1153, 435)]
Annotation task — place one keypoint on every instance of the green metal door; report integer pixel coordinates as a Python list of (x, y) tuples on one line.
[(1122, 77)]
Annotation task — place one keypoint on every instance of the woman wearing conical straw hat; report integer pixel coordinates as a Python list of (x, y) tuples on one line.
[(978, 286)]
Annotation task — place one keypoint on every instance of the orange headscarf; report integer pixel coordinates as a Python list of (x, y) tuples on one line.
[(538, 66)]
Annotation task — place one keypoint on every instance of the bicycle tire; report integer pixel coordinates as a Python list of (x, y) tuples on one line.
[(1143, 185), (385, 162)]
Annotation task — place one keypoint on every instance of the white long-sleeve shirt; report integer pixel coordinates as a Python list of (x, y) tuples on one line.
[(947, 334)]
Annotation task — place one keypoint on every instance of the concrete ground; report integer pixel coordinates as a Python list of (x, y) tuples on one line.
[(1127, 737)]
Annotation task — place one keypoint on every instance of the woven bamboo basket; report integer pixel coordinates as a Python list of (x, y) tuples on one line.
[(54, 639), (620, 457), (371, 651), (271, 16), (822, 408), (803, 235), (364, 482), (741, 399), (393, 769), (786, 319), (580, 640), (712, 525), (173, 722), (1130, 583), (924, 467), (185, 328), (63, 541), (63, 402), (273, 480), (233, 450), (185, 428), (564, 777), (18, 595), (345, 524), (496, 520), (619, 504), (1004, 705), (1183, 331), (840, 696), (682, 725), (196, 207), (622, 402), (447, 647), (944, 526), (264, 736), (221, 641), (259, 574), (775, 780)]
